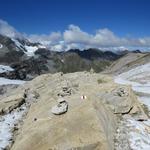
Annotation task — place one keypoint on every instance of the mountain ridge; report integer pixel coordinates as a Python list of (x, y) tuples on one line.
[(31, 59)]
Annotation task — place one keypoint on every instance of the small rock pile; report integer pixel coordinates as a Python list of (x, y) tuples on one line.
[(121, 92), (60, 108)]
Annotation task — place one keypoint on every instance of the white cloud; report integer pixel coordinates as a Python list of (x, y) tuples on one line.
[(8, 30), (103, 38), (47, 40), (74, 37)]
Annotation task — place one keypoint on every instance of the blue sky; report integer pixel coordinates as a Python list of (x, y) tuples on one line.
[(124, 17), (81, 23)]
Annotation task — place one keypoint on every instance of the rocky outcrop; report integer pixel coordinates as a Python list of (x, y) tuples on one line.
[(9, 103), (91, 120), (123, 101)]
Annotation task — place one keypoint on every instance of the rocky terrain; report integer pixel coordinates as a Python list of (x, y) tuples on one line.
[(81, 110), (93, 118)]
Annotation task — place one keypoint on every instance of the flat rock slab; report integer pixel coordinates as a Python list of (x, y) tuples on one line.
[(9, 103)]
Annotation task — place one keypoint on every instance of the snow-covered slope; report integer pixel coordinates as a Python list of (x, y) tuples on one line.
[(4, 81), (138, 132), (138, 77), (27, 47), (20, 44), (4, 68), (31, 49)]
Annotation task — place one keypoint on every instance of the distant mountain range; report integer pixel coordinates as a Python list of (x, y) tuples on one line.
[(31, 59)]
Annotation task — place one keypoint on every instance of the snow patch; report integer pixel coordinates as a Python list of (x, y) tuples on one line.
[(41, 46), (137, 73), (133, 134), (139, 134), (4, 68), (7, 124), (18, 44), (4, 81), (145, 100), (138, 77), (31, 50), (1, 46), (137, 87)]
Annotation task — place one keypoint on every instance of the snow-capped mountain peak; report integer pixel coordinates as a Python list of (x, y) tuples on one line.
[(27, 47), (20, 40), (19, 45)]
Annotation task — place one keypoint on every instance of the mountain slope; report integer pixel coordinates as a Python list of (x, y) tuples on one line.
[(128, 61), (31, 59), (9, 52), (11, 47)]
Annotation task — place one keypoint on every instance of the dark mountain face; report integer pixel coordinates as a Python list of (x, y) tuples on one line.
[(46, 61), (76, 60), (9, 52)]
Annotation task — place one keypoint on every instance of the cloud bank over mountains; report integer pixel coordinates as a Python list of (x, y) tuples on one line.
[(8, 30), (74, 37)]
